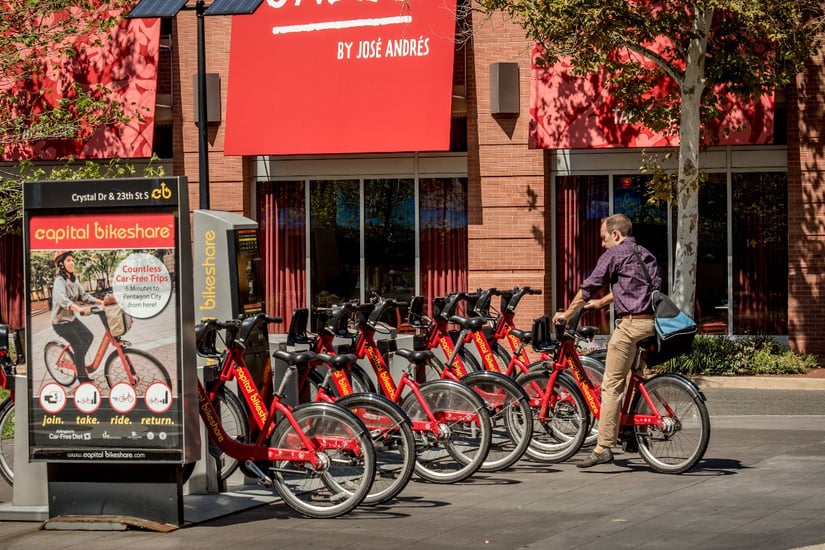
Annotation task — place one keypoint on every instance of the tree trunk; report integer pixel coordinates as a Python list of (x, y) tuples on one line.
[(687, 185)]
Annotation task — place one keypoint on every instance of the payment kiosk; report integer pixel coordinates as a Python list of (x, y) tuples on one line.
[(228, 283)]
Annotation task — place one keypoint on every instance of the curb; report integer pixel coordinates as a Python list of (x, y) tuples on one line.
[(760, 382)]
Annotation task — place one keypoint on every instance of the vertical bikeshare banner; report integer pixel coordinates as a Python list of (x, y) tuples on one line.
[(103, 320), (341, 76)]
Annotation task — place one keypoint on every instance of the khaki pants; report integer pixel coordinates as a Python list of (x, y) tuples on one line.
[(621, 350)]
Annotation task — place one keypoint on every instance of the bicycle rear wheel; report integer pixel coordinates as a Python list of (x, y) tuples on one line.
[(345, 447), (679, 440), (7, 439), (510, 418), (145, 369), (393, 440), (561, 432), (459, 445), (60, 363)]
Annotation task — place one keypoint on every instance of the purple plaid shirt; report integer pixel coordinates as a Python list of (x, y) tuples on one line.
[(619, 268)]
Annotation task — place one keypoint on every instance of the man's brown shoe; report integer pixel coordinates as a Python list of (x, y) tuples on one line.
[(595, 458)]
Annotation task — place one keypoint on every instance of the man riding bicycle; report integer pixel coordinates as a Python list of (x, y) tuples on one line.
[(618, 268)]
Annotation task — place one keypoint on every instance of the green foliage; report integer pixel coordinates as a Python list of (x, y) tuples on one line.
[(745, 47), (39, 41), (751, 355)]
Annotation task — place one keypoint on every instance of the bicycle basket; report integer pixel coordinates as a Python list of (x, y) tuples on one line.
[(415, 313), (4, 338), (118, 320), (206, 335), (542, 336), (298, 327)]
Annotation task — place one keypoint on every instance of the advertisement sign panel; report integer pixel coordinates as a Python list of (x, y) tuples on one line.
[(344, 76), (105, 318)]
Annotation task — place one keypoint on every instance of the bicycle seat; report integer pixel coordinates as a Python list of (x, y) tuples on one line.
[(522, 335), (337, 361), (472, 324), (416, 356), (587, 332), (296, 358)]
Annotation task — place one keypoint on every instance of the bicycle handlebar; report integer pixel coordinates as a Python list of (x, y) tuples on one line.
[(516, 296)]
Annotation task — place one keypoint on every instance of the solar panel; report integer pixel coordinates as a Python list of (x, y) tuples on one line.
[(232, 7), (156, 8)]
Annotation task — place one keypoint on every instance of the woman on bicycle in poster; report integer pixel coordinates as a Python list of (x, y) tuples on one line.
[(68, 303)]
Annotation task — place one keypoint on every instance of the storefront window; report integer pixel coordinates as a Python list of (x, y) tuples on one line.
[(711, 308), (389, 238), (649, 218), (746, 289), (357, 247), (760, 253), (335, 241), (581, 203), (443, 221)]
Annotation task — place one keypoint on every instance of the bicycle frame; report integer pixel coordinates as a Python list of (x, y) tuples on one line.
[(233, 366), (366, 347), (567, 358), (256, 451)]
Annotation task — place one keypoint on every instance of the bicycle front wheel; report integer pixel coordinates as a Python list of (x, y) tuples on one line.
[(60, 363), (347, 461), (393, 440), (7, 439), (510, 418), (145, 370), (457, 446), (679, 439), (560, 427)]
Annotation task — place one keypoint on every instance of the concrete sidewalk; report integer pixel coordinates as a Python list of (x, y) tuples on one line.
[(761, 382), (759, 486)]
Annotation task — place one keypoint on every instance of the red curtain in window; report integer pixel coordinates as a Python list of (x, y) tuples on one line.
[(581, 203), (12, 299), (282, 220), (443, 214)]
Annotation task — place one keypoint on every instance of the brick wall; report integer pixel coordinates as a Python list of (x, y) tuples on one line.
[(227, 175), (509, 241), (806, 216)]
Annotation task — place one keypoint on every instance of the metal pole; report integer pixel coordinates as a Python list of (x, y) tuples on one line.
[(203, 125)]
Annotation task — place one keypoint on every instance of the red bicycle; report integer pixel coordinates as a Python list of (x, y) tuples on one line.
[(388, 424), (318, 456), (507, 403), (8, 369), (136, 367), (663, 416), (450, 421)]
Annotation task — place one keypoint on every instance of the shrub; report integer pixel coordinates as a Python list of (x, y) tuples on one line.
[(723, 356)]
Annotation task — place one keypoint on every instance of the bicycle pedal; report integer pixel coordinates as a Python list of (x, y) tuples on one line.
[(263, 479)]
